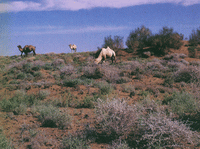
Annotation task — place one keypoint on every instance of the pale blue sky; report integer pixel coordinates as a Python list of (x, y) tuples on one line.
[(51, 25)]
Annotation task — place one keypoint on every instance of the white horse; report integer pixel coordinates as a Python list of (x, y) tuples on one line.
[(102, 53), (73, 47)]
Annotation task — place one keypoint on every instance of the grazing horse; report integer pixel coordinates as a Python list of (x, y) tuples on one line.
[(73, 47), (101, 55), (27, 49)]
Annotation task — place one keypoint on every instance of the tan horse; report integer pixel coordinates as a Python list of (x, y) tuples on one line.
[(27, 49), (103, 53)]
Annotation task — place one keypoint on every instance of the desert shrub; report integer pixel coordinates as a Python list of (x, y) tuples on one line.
[(51, 116), (48, 66), (27, 67), (154, 66), (21, 109), (127, 88), (21, 76), (58, 102), (14, 82), (58, 62), (37, 75), (42, 94), (194, 38), (138, 39), (192, 52), (195, 63), (66, 70), (182, 103), (18, 103), (4, 143), (104, 87), (153, 90), (123, 80), (159, 131), (187, 74), (135, 67), (29, 77), (115, 44), (114, 119), (88, 102), (174, 66), (119, 145), (92, 72), (72, 82), (74, 142), (111, 75), (166, 39), (36, 68)]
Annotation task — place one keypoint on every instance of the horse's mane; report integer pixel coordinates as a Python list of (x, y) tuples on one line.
[(97, 53)]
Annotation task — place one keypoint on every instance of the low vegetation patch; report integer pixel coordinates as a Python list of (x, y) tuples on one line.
[(51, 116)]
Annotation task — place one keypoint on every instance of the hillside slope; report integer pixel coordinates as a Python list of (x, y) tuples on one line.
[(46, 98)]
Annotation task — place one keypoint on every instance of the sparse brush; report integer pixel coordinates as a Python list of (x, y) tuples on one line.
[(74, 142), (161, 131), (93, 72), (187, 74), (119, 145), (43, 94), (67, 70), (127, 88), (58, 62)]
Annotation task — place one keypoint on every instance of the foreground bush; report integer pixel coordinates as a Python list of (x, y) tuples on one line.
[(159, 131), (144, 125), (114, 118)]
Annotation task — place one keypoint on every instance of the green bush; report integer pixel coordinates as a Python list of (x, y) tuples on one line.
[(105, 88), (71, 83), (21, 76), (88, 102), (166, 39), (51, 116), (192, 52), (48, 66), (37, 75), (194, 38), (43, 94), (18, 103), (138, 39), (115, 44), (4, 143), (74, 142), (182, 103)]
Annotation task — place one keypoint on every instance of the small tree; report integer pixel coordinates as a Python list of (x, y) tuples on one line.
[(166, 39), (194, 38), (138, 39), (115, 44)]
